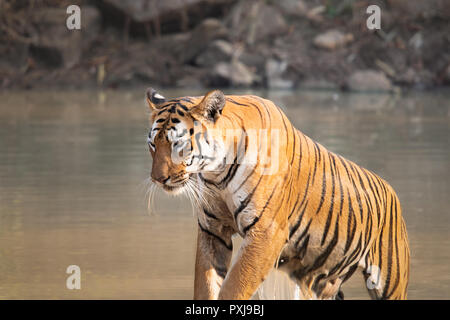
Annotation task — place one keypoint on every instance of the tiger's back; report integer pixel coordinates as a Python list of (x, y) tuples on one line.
[(344, 218)]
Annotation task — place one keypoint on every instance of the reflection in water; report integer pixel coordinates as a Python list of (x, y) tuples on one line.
[(72, 189)]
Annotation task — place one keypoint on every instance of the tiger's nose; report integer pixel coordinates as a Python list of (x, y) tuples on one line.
[(161, 179)]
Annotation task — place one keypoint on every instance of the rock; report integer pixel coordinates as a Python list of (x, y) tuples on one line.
[(234, 74), (200, 38), (447, 74), (252, 21), (255, 61), (295, 8), (217, 51), (149, 10), (332, 39), (369, 81), (274, 70), (58, 46), (190, 78), (425, 9), (14, 58)]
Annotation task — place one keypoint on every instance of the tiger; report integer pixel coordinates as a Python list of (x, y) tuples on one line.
[(314, 215)]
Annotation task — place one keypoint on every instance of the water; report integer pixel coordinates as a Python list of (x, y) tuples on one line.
[(72, 191)]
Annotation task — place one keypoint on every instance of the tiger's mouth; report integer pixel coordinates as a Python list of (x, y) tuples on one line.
[(176, 187), (173, 189)]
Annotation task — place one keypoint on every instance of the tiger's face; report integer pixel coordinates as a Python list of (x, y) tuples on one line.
[(179, 140)]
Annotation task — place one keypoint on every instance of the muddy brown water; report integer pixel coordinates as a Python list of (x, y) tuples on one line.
[(72, 189)]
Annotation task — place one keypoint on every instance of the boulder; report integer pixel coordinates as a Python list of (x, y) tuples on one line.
[(369, 81), (234, 74), (217, 51), (252, 21), (332, 39), (295, 8), (201, 37)]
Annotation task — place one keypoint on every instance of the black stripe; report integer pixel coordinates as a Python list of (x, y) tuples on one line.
[(330, 212), (337, 268), (397, 279), (299, 219), (316, 285), (298, 197), (209, 214), (358, 197), (228, 246), (354, 256), (182, 106), (262, 211), (302, 235), (186, 99), (389, 255), (300, 153), (235, 102), (320, 261), (350, 225), (350, 272), (316, 146), (294, 145), (324, 186), (316, 160), (302, 251), (221, 271), (245, 180), (247, 200)]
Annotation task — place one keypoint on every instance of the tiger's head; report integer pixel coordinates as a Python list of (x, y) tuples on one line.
[(180, 140)]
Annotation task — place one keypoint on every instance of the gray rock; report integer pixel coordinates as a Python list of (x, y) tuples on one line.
[(217, 51), (295, 8), (253, 20), (332, 39), (256, 61), (369, 81), (235, 74), (200, 38)]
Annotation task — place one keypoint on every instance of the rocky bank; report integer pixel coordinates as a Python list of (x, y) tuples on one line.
[(314, 44)]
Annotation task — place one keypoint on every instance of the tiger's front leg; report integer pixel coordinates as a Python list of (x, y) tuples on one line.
[(257, 256), (214, 249)]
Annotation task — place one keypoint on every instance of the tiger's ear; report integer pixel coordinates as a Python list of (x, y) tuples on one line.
[(210, 108), (154, 99)]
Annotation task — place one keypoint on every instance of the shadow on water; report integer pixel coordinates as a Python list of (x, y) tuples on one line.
[(72, 189)]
